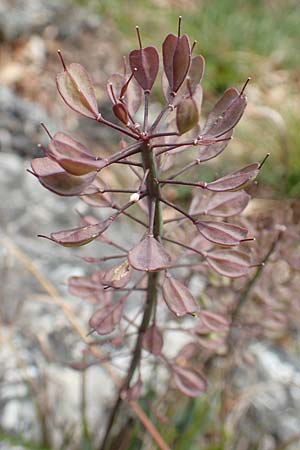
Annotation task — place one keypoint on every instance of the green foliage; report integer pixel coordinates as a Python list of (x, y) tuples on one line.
[(15, 439)]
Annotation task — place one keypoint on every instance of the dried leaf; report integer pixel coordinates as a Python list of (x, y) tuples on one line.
[(75, 87), (178, 298), (176, 59), (188, 381), (153, 340), (146, 61), (226, 234), (105, 319), (149, 255), (221, 204), (235, 180), (187, 115), (231, 263), (119, 276), (226, 113), (80, 235), (53, 177)]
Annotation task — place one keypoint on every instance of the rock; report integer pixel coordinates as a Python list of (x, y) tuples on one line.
[(271, 396), (25, 17), (20, 129)]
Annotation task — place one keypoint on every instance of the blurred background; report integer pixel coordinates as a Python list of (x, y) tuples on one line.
[(45, 401)]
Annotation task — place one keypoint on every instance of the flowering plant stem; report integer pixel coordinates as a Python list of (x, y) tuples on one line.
[(150, 172)]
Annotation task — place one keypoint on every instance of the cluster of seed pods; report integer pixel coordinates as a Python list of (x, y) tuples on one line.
[(69, 168)]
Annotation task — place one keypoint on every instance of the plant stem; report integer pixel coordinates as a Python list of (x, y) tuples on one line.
[(149, 165), (188, 166), (187, 247), (116, 127), (159, 117), (200, 184), (146, 110), (180, 210)]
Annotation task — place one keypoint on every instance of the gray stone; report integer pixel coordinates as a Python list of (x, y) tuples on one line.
[(24, 17)]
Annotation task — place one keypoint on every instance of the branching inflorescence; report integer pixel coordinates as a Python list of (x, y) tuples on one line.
[(69, 168)]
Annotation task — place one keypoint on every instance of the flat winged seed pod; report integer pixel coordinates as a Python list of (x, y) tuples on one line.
[(89, 289), (191, 84), (105, 319), (76, 89), (220, 204), (196, 72), (153, 340), (146, 61), (119, 276), (54, 178), (235, 180), (74, 157), (215, 322), (149, 255), (80, 235), (232, 264), (94, 195), (83, 286), (121, 113), (226, 234), (187, 115), (176, 59), (188, 381), (188, 351), (226, 113), (178, 297)]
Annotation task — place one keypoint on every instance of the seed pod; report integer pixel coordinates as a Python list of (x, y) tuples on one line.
[(178, 297), (176, 59), (73, 156), (119, 276), (149, 255), (226, 113), (80, 235), (153, 340), (76, 89), (187, 115), (235, 180), (104, 320), (144, 62), (188, 381), (233, 264), (220, 204), (54, 178), (226, 234)]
